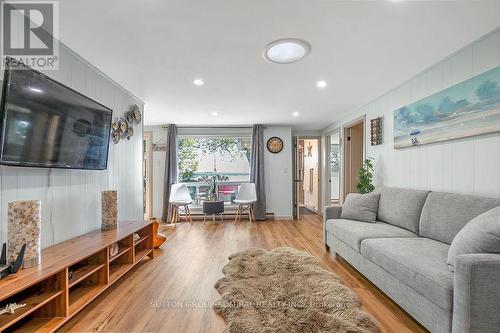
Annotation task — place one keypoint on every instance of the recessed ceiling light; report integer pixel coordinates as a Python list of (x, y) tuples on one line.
[(214, 113), (321, 84), (295, 114), (285, 51), (198, 82)]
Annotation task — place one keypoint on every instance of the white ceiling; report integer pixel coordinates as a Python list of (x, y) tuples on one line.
[(156, 48)]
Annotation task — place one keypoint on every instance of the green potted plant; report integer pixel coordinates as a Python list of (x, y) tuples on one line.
[(211, 181), (365, 177)]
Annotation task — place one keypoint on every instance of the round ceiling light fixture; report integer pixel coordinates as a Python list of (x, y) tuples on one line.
[(321, 84), (198, 82), (286, 51)]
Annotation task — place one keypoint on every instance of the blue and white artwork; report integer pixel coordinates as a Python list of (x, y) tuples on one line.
[(466, 109)]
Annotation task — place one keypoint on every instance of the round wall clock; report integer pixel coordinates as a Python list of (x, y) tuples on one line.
[(275, 145)]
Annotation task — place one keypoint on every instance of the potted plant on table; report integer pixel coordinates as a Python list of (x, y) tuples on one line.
[(211, 181)]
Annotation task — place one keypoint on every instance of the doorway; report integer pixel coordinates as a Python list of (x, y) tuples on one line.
[(307, 181), (353, 150)]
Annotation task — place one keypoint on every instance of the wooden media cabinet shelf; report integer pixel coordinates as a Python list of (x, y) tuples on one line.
[(71, 275)]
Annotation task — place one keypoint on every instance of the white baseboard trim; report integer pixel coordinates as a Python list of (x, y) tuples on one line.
[(276, 217)]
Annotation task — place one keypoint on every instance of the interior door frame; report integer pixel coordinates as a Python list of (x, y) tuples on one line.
[(295, 205), (295, 146), (328, 171), (353, 122), (148, 181)]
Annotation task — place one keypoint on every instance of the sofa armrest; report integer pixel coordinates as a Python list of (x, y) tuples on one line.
[(476, 293), (331, 212)]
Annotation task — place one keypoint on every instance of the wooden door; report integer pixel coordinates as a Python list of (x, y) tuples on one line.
[(353, 156)]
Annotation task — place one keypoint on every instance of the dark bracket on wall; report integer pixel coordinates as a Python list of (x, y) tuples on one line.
[(376, 131), (11, 268)]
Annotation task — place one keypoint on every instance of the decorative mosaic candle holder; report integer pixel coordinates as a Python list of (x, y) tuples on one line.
[(109, 201), (24, 226)]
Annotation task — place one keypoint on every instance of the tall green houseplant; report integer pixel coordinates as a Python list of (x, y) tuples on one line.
[(365, 177)]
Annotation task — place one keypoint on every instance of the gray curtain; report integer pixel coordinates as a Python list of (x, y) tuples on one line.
[(257, 171), (170, 170)]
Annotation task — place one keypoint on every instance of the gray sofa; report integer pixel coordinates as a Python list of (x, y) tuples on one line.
[(405, 255)]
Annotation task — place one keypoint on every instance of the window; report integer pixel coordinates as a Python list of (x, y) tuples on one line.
[(205, 158)]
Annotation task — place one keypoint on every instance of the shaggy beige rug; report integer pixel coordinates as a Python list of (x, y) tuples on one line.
[(286, 290)]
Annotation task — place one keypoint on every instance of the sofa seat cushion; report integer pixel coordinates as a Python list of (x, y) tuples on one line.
[(354, 232), (420, 263)]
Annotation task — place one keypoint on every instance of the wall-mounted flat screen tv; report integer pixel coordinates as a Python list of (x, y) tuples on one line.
[(46, 124)]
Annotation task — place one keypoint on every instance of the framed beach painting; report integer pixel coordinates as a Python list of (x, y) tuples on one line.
[(467, 109)]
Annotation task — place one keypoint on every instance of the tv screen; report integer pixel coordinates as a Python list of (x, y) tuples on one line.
[(46, 124)]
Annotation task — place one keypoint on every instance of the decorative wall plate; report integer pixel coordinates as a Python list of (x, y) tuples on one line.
[(129, 133), (116, 130), (115, 126), (123, 126), (134, 115), (116, 136), (275, 145)]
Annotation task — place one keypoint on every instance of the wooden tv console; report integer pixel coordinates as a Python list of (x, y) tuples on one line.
[(52, 297)]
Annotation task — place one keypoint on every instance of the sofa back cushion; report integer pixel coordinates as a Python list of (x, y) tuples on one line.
[(445, 214), (401, 207)]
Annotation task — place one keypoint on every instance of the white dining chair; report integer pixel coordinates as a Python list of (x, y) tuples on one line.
[(246, 198), (180, 199)]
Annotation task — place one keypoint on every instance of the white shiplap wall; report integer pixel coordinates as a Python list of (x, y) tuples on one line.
[(278, 172), (71, 198), (467, 165)]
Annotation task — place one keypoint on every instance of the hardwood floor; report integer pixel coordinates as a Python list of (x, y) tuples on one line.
[(173, 292)]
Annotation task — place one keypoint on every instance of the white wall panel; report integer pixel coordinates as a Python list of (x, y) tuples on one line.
[(279, 173), (71, 198), (467, 165)]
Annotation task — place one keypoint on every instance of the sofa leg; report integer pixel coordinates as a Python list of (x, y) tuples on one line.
[(327, 248)]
